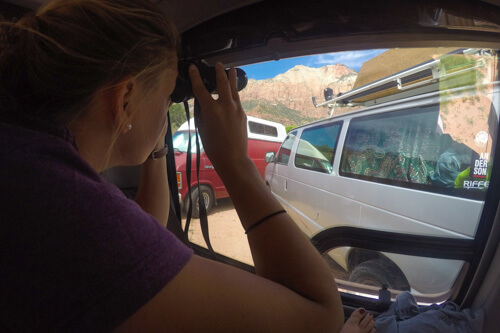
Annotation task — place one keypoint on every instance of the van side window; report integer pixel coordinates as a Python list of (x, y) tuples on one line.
[(413, 148), (286, 148), (263, 129), (316, 148)]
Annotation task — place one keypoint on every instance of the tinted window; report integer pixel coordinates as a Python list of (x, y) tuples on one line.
[(258, 128), (316, 148), (418, 148)]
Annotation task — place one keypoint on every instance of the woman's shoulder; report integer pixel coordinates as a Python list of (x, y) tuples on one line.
[(45, 160), (64, 223), (28, 144)]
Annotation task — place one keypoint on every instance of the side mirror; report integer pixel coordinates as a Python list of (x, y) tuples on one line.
[(270, 157)]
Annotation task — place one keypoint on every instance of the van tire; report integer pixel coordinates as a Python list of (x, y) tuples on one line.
[(379, 272), (208, 196)]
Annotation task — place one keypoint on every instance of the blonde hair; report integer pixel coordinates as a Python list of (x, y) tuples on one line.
[(52, 62)]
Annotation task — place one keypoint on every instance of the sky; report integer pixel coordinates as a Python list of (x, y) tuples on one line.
[(351, 59)]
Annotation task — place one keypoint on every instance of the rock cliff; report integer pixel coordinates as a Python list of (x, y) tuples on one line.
[(287, 97)]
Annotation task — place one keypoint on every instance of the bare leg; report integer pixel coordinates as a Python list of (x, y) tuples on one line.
[(359, 322)]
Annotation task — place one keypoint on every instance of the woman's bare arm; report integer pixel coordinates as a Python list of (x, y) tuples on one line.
[(153, 195), (293, 291)]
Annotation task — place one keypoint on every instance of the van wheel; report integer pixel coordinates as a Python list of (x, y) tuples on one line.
[(208, 197), (379, 272)]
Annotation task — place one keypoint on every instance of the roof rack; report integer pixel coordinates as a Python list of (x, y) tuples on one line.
[(402, 81)]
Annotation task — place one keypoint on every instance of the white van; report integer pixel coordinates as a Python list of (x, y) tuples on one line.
[(411, 164)]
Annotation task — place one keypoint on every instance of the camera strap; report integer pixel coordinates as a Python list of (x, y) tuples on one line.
[(201, 201), (188, 174), (174, 218)]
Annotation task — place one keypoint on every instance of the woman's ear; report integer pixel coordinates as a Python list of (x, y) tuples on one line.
[(121, 112)]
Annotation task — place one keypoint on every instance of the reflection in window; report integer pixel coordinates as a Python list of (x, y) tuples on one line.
[(365, 272), (316, 148), (395, 146), (286, 148), (415, 148)]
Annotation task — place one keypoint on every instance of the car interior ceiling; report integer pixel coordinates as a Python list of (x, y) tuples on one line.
[(244, 32)]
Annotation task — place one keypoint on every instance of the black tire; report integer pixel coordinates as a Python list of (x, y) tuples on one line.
[(208, 196), (378, 272)]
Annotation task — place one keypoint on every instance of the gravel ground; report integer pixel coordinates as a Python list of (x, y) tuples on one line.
[(227, 236)]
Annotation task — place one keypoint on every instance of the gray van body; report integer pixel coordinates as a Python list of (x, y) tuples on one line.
[(319, 197)]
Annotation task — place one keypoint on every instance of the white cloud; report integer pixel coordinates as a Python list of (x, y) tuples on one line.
[(351, 59)]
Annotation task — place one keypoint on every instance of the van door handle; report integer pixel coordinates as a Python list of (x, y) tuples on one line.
[(286, 185)]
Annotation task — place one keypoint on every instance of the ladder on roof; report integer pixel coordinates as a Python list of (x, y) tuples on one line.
[(438, 73)]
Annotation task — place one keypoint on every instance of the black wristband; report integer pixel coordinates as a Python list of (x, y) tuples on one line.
[(263, 219)]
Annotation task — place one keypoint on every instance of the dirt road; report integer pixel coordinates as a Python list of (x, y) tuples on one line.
[(227, 236), (226, 233)]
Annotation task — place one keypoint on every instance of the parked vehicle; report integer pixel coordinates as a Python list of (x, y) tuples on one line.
[(413, 163), (263, 136)]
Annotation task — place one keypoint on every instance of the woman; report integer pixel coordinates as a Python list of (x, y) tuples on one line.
[(85, 86)]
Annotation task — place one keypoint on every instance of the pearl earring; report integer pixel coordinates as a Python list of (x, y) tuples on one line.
[(128, 127)]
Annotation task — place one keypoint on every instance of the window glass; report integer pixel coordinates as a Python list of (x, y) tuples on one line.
[(440, 148), (416, 157), (180, 141), (286, 148), (263, 129), (365, 272), (316, 148), (398, 146)]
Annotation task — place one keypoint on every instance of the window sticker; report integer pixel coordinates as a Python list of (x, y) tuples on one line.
[(481, 139), (475, 184), (479, 177), (480, 168)]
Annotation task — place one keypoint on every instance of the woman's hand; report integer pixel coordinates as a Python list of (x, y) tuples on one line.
[(222, 123)]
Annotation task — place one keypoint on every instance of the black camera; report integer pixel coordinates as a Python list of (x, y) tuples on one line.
[(183, 91)]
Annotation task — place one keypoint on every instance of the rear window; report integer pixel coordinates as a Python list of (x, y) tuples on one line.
[(263, 129)]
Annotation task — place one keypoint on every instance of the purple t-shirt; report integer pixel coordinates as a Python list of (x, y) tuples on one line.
[(76, 254)]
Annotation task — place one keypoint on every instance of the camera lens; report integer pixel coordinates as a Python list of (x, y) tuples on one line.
[(183, 91)]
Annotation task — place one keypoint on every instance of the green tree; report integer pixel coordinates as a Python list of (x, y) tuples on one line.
[(289, 128), (177, 116)]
